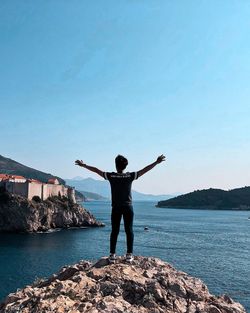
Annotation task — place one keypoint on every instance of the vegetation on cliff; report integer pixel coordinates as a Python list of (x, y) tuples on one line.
[(80, 197), (211, 199), (92, 196)]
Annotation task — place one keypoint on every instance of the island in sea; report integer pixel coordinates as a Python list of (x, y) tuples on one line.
[(213, 199)]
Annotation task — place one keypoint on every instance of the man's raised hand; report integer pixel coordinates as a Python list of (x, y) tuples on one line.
[(161, 158), (79, 162), (90, 168)]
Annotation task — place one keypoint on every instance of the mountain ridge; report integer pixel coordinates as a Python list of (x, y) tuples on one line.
[(103, 189)]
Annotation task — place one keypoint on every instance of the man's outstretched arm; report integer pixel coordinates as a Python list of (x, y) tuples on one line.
[(160, 159), (90, 168)]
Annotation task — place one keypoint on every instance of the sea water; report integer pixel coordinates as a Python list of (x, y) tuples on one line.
[(211, 245)]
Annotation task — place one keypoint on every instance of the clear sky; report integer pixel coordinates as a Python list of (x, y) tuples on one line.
[(93, 79)]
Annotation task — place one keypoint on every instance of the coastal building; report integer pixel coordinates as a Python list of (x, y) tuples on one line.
[(32, 187), (12, 178)]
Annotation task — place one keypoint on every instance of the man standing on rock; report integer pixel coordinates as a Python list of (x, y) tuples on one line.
[(121, 183)]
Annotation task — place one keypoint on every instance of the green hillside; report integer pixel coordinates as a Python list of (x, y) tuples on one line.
[(10, 166), (211, 199)]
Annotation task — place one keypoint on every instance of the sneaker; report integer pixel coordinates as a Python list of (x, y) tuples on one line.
[(129, 257), (112, 258)]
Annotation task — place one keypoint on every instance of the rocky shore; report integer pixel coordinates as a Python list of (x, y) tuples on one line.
[(148, 285), (18, 214)]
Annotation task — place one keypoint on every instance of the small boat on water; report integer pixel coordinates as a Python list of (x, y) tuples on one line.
[(145, 228)]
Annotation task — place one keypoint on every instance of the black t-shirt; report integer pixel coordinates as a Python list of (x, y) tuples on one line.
[(120, 187)]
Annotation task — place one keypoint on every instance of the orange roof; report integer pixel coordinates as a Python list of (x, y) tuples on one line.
[(31, 180), (52, 180), (4, 175), (17, 177), (8, 176)]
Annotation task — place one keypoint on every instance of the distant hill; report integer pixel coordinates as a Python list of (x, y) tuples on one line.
[(102, 188), (211, 199), (10, 166), (89, 196), (79, 196)]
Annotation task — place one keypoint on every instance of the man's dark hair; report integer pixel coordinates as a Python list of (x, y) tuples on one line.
[(121, 162)]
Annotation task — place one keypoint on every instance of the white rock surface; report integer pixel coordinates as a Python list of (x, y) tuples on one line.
[(148, 285)]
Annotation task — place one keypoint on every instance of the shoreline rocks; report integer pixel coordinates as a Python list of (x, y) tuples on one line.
[(148, 285), (18, 214)]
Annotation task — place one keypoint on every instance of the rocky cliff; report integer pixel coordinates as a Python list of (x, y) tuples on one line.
[(148, 285), (18, 214)]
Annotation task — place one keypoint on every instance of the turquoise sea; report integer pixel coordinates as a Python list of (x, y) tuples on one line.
[(211, 245)]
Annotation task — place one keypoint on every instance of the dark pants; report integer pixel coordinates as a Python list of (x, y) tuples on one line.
[(116, 215)]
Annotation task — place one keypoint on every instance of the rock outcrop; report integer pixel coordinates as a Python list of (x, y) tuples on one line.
[(148, 285), (18, 214)]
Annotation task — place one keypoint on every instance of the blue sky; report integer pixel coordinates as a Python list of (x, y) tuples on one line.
[(93, 79)]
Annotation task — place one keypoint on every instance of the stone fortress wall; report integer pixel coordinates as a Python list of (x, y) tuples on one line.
[(32, 187)]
